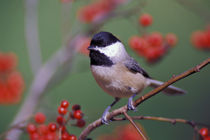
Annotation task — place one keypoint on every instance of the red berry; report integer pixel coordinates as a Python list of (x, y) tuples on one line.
[(155, 39), (72, 137), (133, 42), (138, 43), (39, 118), (34, 136), (65, 136), (62, 110), (51, 136), (153, 54), (76, 107), (52, 127), (171, 39), (87, 14), (42, 129), (31, 128), (78, 114), (208, 38), (64, 104), (145, 20), (81, 123), (199, 39), (11, 88), (8, 61), (204, 132), (60, 120), (15, 83)]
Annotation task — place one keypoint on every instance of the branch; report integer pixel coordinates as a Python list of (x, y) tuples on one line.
[(193, 124), (163, 119), (31, 35), (170, 120), (134, 125), (140, 100), (20, 125)]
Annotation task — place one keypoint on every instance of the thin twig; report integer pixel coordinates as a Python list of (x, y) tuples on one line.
[(193, 124), (140, 100), (134, 125), (59, 133), (163, 119)]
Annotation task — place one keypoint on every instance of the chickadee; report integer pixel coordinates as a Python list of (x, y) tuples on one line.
[(117, 73)]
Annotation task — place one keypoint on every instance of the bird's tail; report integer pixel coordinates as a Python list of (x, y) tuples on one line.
[(170, 90)]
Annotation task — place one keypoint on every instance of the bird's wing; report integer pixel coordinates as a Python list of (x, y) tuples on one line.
[(134, 67)]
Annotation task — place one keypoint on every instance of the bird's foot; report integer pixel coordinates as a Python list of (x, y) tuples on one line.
[(131, 106), (104, 118)]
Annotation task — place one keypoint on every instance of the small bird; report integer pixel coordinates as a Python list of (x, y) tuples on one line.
[(117, 73)]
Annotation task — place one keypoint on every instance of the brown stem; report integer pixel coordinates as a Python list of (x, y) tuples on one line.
[(163, 119), (134, 125), (59, 133), (193, 124), (140, 100)]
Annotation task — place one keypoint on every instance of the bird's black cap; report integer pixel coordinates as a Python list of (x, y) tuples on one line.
[(103, 39)]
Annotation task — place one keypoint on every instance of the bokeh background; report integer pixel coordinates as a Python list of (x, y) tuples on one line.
[(80, 87)]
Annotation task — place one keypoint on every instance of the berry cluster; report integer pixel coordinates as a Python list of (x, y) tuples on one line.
[(56, 130), (95, 11), (205, 133), (124, 132), (78, 115), (152, 46), (201, 39), (41, 131), (11, 81)]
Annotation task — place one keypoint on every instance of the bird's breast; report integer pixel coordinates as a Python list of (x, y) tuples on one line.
[(118, 81)]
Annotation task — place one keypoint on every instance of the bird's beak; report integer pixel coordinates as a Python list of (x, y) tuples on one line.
[(91, 48)]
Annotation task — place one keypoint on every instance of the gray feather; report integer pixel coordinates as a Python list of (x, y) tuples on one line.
[(170, 90), (133, 66)]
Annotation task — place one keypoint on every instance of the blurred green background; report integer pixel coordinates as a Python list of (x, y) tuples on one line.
[(80, 87)]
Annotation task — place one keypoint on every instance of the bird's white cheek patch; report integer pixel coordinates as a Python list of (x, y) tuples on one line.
[(111, 50)]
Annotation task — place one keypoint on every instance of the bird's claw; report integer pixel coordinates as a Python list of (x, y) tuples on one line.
[(130, 103), (104, 121), (104, 118), (131, 107)]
